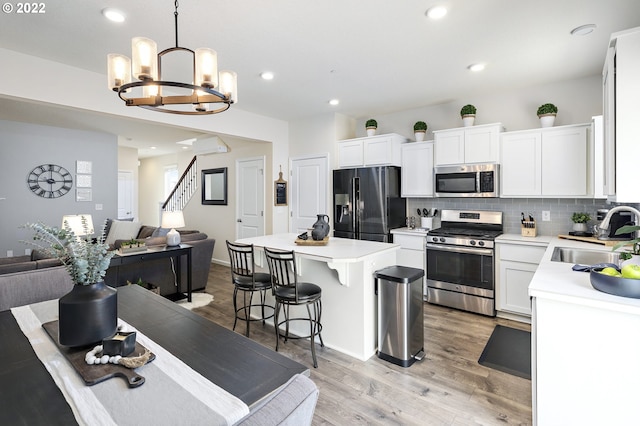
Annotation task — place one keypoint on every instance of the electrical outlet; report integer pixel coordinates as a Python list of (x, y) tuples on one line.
[(9, 253), (27, 252), (546, 216), (98, 206)]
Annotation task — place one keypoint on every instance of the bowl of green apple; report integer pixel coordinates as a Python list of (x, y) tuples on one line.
[(623, 281)]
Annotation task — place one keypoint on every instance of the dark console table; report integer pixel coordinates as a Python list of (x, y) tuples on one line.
[(239, 365), (158, 252)]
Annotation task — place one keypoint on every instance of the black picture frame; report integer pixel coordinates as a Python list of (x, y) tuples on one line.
[(280, 193), (214, 186)]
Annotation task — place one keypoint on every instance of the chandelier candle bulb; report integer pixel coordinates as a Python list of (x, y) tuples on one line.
[(145, 58), (119, 71), (206, 67), (229, 85)]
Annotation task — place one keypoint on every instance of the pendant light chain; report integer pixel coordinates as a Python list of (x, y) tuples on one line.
[(175, 14)]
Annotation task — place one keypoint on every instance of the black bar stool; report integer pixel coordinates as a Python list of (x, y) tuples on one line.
[(288, 291), (246, 280)]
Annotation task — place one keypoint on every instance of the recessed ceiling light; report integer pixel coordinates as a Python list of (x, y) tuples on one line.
[(113, 14), (267, 75), (334, 102), (583, 29), (436, 12), (476, 67), (152, 147)]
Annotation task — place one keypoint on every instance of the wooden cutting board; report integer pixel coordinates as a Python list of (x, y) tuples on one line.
[(92, 374), (592, 240), (310, 242)]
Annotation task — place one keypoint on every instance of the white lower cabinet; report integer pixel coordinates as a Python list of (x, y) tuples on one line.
[(412, 250), (516, 262)]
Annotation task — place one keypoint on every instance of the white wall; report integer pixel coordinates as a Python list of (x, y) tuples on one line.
[(217, 221), (577, 102)]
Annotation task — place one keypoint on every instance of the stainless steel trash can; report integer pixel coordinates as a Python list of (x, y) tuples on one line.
[(400, 314)]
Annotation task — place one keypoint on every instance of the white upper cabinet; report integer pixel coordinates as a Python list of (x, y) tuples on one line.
[(550, 162), (475, 144), (381, 150), (621, 92), (417, 169)]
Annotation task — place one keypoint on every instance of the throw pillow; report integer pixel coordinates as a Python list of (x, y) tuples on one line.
[(160, 232), (122, 230)]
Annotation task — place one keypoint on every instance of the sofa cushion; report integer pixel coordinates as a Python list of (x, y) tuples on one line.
[(146, 231), (160, 232), (293, 404), (122, 230), (39, 255), (17, 267), (14, 259), (47, 263), (196, 236)]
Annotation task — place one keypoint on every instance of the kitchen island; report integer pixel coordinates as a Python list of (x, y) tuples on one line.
[(344, 270), (585, 347)]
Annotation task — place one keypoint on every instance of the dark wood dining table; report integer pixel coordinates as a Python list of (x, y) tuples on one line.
[(235, 363)]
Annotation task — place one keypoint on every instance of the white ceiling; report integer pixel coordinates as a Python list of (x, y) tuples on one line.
[(376, 56)]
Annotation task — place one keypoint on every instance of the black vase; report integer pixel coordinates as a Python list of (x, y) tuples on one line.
[(87, 314), (320, 228)]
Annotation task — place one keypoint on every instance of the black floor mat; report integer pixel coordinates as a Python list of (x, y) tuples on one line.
[(509, 350)]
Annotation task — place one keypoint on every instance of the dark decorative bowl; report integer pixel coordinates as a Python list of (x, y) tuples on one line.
[(619, 286)]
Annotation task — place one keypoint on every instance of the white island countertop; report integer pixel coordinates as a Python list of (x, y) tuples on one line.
[(557, 281), (348, 297), (336, 250)]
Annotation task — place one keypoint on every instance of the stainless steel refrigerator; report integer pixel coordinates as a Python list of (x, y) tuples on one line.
[(367, 203)]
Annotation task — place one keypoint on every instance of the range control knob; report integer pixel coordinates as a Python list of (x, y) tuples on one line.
[(480, 243), (434, 239), (442, 239), (472, 242)]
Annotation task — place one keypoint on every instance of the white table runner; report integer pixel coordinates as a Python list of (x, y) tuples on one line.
[(173, 393)]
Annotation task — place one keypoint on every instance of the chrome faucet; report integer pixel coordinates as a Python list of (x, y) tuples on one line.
[(605, 222)]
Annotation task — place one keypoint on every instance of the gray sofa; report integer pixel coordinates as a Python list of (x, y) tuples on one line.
[(291, 405), (33, 286), (162, 272)]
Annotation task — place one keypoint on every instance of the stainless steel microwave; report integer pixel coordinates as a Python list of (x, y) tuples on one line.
[(467, 180)]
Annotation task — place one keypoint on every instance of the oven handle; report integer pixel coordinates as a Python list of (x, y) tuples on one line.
[(459, 249)]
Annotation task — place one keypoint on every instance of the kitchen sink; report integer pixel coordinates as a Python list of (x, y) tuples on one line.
[(582, 256)]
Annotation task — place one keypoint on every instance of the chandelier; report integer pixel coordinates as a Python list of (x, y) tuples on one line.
[(209, 92)]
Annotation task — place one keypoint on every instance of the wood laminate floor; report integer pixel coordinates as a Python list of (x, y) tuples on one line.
[(448, 387)]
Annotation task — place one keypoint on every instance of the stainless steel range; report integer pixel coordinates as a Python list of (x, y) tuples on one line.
[(460, 260)]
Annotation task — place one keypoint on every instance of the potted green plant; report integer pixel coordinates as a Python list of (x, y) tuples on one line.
[(371, 125), (580, 220), (468, 114), (420, 129), (88, 313), (547, 114)]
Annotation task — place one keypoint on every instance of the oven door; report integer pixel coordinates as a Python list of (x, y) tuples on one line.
[(462, 269)]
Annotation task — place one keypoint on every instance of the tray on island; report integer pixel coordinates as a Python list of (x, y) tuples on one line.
[(310, 242), (92, 374)]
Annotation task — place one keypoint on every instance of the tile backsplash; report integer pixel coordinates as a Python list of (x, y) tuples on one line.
[(561, 210)]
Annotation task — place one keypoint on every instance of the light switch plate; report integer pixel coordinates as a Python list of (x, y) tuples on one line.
[(546, 216)]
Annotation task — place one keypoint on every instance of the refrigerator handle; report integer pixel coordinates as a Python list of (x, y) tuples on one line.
[(355, 217)]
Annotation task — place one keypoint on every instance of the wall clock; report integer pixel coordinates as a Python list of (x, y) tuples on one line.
[(50, 181)]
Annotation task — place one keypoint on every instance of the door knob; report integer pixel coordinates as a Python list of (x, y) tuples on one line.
[(238, 220)]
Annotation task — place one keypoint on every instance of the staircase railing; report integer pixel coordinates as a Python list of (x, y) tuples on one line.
[(184, 189)]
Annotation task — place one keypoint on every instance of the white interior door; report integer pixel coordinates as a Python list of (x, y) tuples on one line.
[(309, 191), (125, 194), (250, 196)]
